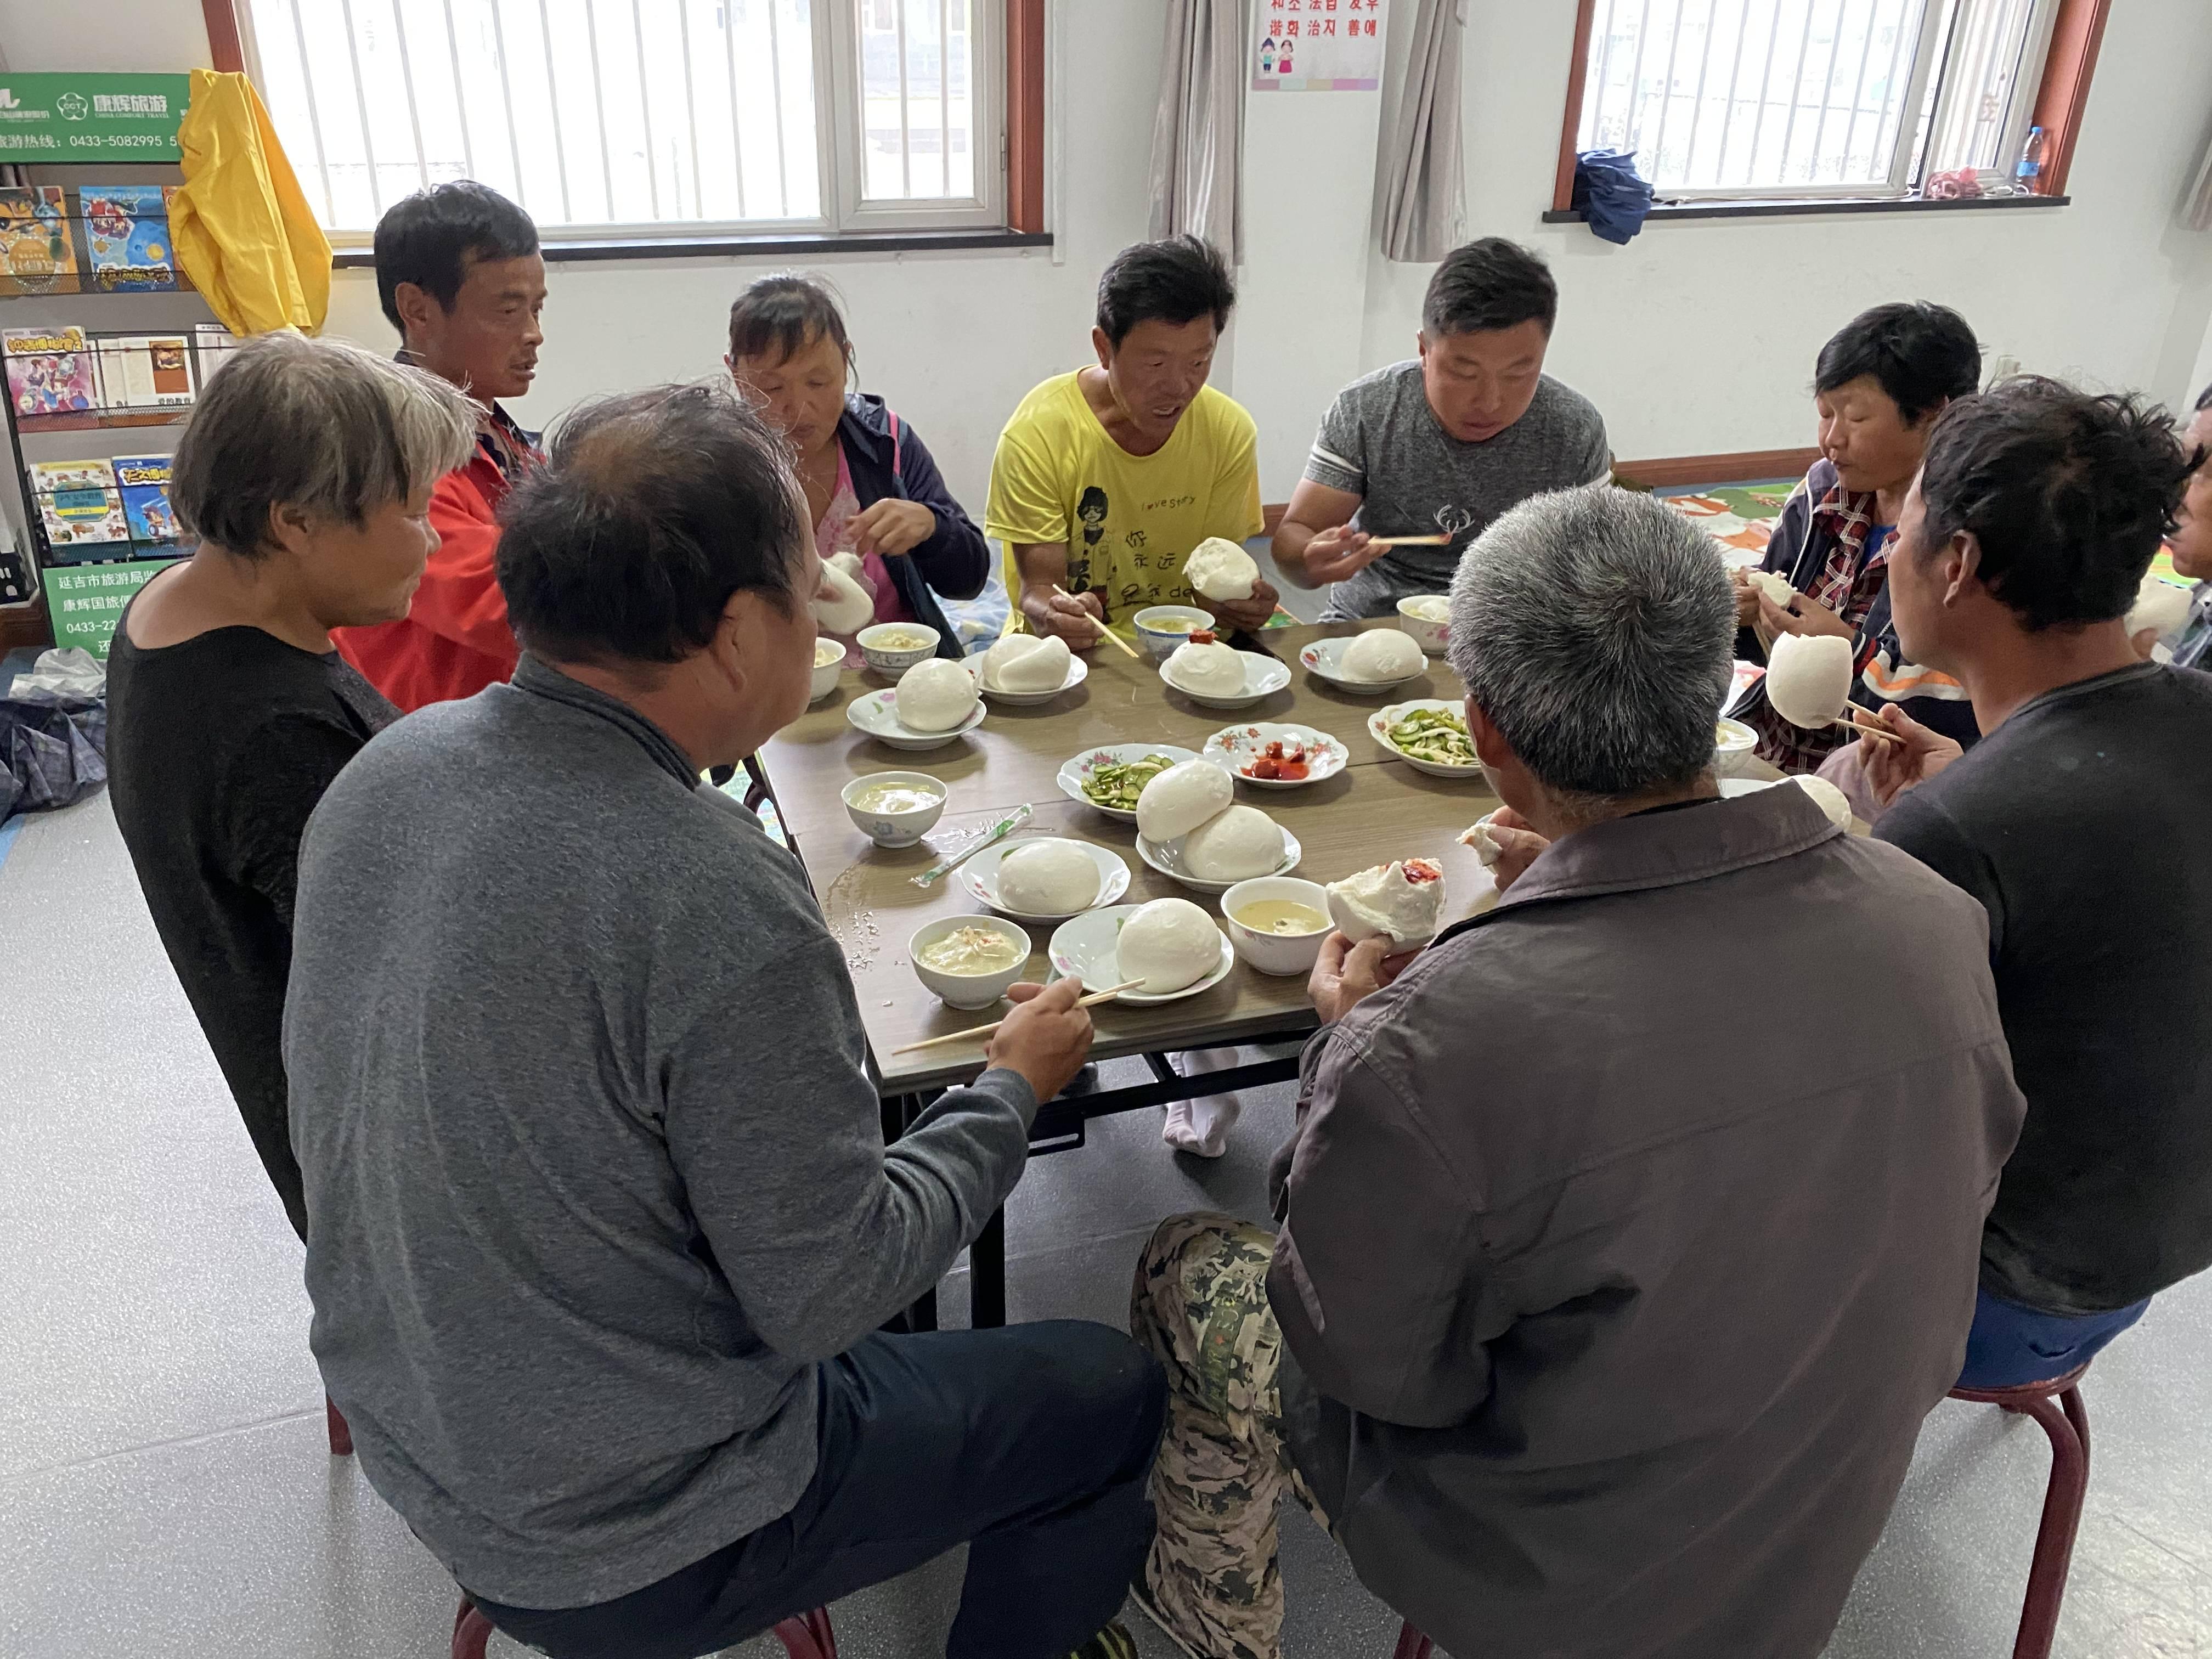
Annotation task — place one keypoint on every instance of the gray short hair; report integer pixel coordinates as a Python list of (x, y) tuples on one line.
[(317, 425), (1595, 629)]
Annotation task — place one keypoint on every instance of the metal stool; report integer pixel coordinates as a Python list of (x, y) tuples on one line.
[(806, 1636), (2056, 1406)]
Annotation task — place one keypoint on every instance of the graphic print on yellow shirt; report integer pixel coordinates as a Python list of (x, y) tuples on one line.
[(1129, 521)]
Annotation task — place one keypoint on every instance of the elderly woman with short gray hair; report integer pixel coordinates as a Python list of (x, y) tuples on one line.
[(1595, 1322), (305, 473)]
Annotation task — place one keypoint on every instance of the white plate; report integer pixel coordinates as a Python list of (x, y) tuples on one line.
[(1263, 677), (979, 876), (1084, 948), (1077, 768), (877, 715), (1168, 860), (1320, 659), (1077, 671), (1380, 722), (1234, 747)]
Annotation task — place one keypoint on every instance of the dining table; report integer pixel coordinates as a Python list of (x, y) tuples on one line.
[(1376, 809)]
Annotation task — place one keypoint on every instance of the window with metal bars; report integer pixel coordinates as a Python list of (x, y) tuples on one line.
[(643, 118), (1816, 98)]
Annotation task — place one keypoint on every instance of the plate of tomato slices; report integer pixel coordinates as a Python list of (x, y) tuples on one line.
[(1276, 755)]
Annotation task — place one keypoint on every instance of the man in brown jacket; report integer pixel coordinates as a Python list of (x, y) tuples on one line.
[(1599, 1323)]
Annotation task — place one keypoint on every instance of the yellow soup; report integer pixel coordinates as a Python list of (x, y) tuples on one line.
[(903, 639), (895, 798), (827, 652), (1282, 916), (971, 951)]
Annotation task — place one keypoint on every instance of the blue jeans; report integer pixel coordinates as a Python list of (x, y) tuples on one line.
[(1033, 1445), (2011, 1345)]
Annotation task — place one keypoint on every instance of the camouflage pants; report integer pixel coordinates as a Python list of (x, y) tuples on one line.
[(1200, 1305)]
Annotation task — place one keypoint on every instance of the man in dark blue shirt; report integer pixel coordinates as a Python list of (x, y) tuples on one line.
[(2082, 821)]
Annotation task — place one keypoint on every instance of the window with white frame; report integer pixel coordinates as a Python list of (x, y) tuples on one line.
[(1810, 98), (643, 118)]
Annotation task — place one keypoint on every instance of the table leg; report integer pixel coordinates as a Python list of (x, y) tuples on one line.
[(987, 1274)]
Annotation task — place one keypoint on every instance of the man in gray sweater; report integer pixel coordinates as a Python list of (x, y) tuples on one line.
[(601, 1224), (1597, 1324)]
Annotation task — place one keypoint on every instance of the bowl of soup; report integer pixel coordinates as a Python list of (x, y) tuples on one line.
[(1427, 618), (891, 648), (828, 663), (1161, 627), (1276, 923), (895, 809), (967, 962)]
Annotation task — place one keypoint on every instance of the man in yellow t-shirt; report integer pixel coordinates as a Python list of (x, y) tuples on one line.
[(1107, 478)]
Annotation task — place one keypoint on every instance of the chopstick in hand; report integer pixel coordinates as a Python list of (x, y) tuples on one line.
[(1104, 632), (1106, 995), (1868, 728), (1408, 541)]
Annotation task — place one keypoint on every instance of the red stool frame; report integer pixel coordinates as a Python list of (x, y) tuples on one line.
[(807, 1636)]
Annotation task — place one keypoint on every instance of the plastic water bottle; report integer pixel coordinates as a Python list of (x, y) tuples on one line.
[(2031, 160)]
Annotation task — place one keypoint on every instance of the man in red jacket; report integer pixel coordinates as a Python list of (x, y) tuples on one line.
[(458, 271)]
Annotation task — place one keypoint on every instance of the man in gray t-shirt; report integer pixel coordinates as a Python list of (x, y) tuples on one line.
[(1444, 444)]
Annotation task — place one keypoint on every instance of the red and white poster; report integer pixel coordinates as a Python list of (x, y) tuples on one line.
[(1318, 45)]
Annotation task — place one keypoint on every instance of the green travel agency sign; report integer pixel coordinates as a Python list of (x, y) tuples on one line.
[(91, 118)]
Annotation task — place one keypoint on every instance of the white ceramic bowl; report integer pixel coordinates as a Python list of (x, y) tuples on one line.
[(1161, 628), (1077, 671), (1380, 722), (968, 990), (980, 878), (1431, 636), (1320, 659), (877, 715), (1084, 948), (889, 662), (1280, 954), (1263, 677), (1078, 768), (893, 828), (825, 673), (1168, 860), (1733, 742), (1233, 749)]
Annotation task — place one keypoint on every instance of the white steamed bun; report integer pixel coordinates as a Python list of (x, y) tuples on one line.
[(1774, 585), (1219, 569), (1179, 799), (1386, 654), (2159, 604), (1024, 662), (1403, 900), (1808, 678), (1234, 845), (1169, 943), (935, 694), (1831, 800), (1211, 669), (1051, 878), (848, 607)]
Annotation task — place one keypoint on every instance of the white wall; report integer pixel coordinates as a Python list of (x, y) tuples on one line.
[(1695, 339)]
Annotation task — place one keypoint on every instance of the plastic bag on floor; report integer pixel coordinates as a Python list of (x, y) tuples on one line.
[(74, 671), (54, 749)]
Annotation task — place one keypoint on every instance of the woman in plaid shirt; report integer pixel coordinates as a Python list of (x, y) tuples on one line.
[(1879, 385)]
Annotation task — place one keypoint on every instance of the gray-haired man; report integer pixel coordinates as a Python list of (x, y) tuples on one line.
[(1635, 1352)]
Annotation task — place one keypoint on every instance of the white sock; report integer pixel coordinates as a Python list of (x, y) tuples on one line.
[(1201, 1126)]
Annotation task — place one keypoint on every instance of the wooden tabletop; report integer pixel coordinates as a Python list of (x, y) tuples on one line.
[(1376, 809)]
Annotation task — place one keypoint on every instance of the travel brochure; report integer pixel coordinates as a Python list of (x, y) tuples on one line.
[(113, 239), (63, 371), (98, 508)]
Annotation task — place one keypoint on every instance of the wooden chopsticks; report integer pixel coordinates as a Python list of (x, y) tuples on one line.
[(1104, 632), (1408, 541), (1106, 995)]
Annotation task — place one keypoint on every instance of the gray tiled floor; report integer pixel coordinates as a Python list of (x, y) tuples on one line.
[(165, 1492)]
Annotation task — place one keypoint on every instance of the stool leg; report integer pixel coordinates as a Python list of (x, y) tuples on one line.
[(341, 1436), (471, 1632), (2068, 1426), (808, 1635), (1411, 1644)]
